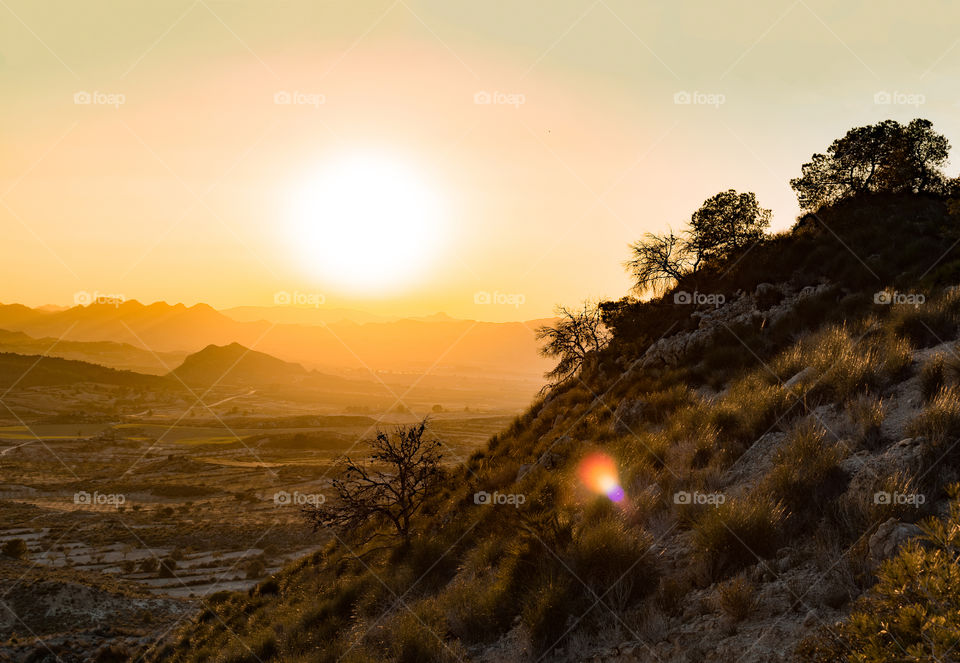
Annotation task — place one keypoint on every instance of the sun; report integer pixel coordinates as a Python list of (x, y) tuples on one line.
[(367, 223)]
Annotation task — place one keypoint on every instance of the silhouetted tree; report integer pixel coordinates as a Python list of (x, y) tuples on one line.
[(725, 224), (659, 261), (883, 157), (572, 339), (391, 487)]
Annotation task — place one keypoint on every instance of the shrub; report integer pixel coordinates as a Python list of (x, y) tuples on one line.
[(806, 476), (149, 565), (416, 635), (913, 612), (663, 403), (255, 568), (939, 422), (614, 561), (930, 323), (750, 408), (167, 567), (932, 376), (866, 415), (548, 611), (846, 364), (16, 548), (113, 653), (739, 532), (737, 598), (858, 511)]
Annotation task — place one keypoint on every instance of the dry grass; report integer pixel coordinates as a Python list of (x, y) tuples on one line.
[(847, 363), (806, 476), (866, 413), (739, 532), (736, 598)]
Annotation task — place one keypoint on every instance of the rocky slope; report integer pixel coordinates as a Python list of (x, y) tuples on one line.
[(771, 446)]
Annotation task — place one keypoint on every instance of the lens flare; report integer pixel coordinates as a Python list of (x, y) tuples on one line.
[(599, 473)]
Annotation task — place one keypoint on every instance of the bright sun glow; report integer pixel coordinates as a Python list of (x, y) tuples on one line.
[(367, 223)]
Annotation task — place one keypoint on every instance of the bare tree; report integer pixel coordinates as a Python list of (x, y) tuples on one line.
[(575, 336), (725, 224), (391, 487), (659, 261)]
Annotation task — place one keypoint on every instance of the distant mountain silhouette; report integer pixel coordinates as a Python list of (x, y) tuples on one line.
[(35, 371), (440, 343), (123, 356), (236, 364)]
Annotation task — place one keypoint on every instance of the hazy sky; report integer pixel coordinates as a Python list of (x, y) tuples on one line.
[(147, 149)]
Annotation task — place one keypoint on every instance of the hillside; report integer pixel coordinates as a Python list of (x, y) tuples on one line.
[(35, 370), (123, 356), (751, 439), (235, 364)]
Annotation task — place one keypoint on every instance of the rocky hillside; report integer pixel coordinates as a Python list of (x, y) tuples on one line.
[(770, 434)]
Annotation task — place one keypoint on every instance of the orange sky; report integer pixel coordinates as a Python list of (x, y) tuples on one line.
[(177, 181)]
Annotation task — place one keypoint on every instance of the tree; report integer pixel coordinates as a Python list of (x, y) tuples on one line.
[(883, 157), (572, 339), (659, 261), (391, 487), (723, 225), (16, 548)]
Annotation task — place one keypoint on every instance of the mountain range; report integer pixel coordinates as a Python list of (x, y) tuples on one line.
[(155, 337)]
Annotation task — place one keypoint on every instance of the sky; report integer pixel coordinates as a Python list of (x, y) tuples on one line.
[(489, 160)]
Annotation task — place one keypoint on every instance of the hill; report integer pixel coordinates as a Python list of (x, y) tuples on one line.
[(122, 356), (235, 364), (441, 344), (750, 438), (37, 370)]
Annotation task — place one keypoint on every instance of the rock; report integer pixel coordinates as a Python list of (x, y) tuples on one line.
[(888, 538), (766, 295), (801, 376), (905, 457), (853, 464), (906, 453), (548, 460), (811, 619)]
